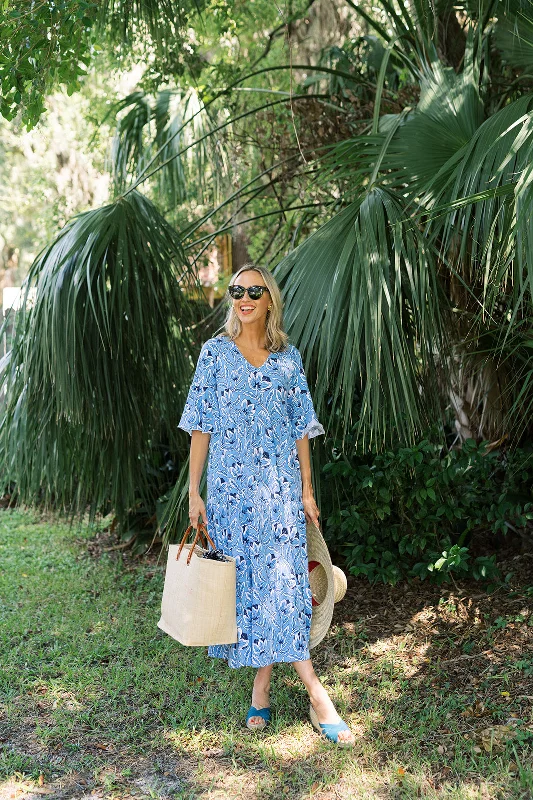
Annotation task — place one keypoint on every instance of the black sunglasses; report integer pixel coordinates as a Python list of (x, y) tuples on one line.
[(254, 292)]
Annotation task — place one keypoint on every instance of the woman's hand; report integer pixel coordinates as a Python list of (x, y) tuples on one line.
[(196, 509), (310, 507)]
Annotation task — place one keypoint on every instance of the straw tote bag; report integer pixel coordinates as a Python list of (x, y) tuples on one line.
[(199, 596)]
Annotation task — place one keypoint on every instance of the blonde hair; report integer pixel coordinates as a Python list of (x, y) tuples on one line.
[(276, 338)]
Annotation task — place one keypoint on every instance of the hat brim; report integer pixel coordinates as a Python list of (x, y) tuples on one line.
[(322, 613)]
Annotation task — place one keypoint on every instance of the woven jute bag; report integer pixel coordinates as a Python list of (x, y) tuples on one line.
[(199, 596)]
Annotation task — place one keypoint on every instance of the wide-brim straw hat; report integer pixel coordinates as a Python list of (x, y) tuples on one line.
[(328, 584)]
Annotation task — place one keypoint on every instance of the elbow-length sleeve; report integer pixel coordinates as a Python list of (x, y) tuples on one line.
[(302, 414), (201, 411)]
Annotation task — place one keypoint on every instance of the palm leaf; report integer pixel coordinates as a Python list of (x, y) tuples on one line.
[(164, 20), (160, 130), (100, 363), (514, 35), (362, 303), (415, 25), (447, 115), (481, 237), (411, 148), (128, 146)]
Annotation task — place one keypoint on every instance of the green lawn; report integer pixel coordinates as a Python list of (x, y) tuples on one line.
[(96, 702)]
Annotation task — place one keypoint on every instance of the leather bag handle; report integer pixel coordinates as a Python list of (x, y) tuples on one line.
[(201, 535)]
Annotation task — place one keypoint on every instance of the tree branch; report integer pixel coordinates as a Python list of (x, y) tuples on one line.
[(279, 32)]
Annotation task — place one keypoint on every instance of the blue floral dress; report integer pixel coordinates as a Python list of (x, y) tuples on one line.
[(254, 493)]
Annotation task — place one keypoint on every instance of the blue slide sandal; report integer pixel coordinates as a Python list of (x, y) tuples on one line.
[(258, 712), (330, 730)]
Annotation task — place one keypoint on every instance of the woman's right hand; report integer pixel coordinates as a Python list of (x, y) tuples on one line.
[(196, 509)]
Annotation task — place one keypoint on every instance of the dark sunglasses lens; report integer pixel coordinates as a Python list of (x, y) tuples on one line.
[(236, 292), (255, 292)]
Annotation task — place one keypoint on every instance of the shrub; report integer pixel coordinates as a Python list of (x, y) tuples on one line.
[(412, 511)]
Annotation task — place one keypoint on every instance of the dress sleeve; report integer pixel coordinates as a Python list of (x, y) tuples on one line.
[(201, 412), (301, 410)]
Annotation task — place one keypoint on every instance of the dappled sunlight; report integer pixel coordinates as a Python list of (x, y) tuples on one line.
[(17, 787), (405, 653), (372, 718), (293, 740), (96, 721), (291, 743), (383, 647), (58, 697), (210, 779)]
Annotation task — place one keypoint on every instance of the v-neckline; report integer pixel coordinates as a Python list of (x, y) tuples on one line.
[(253, 366)]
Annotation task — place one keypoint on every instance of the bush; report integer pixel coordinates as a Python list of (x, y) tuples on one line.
[(411, 512)]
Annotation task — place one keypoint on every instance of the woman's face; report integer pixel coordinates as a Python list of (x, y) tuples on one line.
[(247, 310)]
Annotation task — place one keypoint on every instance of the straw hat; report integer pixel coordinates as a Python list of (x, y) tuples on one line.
[(328, 584)]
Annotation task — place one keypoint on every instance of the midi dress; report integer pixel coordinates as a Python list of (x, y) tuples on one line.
[(254, 416)]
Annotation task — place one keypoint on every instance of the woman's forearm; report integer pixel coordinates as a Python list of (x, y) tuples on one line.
[(198, 455), (302, 446)]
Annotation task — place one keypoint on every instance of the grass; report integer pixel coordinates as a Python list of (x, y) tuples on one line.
[(95, 701)]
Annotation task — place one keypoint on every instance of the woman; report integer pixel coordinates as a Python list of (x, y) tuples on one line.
[(249, 406)]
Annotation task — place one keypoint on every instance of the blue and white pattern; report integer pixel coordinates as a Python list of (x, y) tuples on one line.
[(254, 493)]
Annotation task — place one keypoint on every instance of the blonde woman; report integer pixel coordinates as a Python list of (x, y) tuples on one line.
[(250, 408)]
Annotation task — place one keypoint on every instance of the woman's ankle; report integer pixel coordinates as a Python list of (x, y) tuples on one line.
[(262, 679), (261, 688), (318, 695)]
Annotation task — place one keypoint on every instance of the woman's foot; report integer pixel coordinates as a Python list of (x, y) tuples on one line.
[(326, 714), (260, 700), (260, 696)]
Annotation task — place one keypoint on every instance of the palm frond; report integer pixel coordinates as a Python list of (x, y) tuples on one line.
[(514, 34), (362, 303), (448, 113), (164, 20), (128, 147), (415, 25), (160, 131), (101, 359), (410, 148), (482, 237)]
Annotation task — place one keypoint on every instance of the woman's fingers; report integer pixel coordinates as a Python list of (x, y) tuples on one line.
[(197, 513), (311, 513)]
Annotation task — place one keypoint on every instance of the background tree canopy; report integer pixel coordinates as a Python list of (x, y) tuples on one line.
[(378, 159)]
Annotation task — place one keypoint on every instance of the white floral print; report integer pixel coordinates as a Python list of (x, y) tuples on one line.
[(254, 493)]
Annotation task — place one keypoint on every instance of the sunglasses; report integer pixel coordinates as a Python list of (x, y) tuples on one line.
[(254, 292)]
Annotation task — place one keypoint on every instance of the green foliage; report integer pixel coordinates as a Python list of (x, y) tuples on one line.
[(412, 511), (370, 293), (42, 46), (514, 35), (378, 308), (425, 260), (54, 170), (100, 362), (52, 42), (172, 129)]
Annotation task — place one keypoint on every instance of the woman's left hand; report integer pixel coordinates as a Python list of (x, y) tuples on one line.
[(310, 507)]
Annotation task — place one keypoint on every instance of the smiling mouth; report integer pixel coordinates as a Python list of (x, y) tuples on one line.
[(246, 309)]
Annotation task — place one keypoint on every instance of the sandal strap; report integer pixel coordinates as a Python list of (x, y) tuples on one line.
[(259, 712), (331, 730)]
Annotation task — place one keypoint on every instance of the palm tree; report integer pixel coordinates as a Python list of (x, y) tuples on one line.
[(101, 353), (423, 282)]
